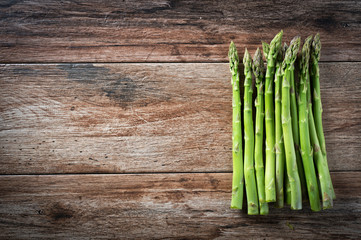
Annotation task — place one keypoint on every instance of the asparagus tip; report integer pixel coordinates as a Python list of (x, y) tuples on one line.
[(306, 54), (247, 60), (316, 48), (258, 66), (232, 53), (233, 58), (291, 52), (276, 42)]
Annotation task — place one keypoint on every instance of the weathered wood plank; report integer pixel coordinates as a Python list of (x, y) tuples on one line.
[(114, 118), (161, 206), (168, 31)]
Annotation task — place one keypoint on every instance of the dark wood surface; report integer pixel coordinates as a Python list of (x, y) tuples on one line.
[(163, 206), (109, 129), (163, 31)]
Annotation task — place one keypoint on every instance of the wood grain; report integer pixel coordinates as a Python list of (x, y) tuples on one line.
[(161, 206), (128, 118), (169, 31)]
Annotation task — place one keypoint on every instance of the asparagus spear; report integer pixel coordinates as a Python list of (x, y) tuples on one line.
[(310, 173), (271, 54), (321, 164), (286, 180), (279, 145), (251, 188), (291, 164), (258, 71), (237, 180), (296, 135), (317, 105)]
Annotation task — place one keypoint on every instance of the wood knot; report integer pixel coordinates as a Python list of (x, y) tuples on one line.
[(59, 212)]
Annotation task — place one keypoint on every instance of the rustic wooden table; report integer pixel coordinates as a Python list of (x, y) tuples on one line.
[(115, 117)]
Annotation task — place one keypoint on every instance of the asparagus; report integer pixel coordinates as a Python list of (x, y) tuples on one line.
[(317, 105), (286, 180), (279, 145), (258, 71), (251, 188), (291, 164), (310, 173), (321, 164), (296, 135), (293, 129), (237, 179), (271, 54)]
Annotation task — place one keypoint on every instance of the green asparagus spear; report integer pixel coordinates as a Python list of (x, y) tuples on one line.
[(321, 164), (310, 173), (250, 179), (279, 145), (317, 105), (237, 181), (258, 71), (296, 135), (286, 180), (271, 53), (291, 164)]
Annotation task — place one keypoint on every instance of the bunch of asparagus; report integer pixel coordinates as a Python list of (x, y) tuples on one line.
[(295, 168)]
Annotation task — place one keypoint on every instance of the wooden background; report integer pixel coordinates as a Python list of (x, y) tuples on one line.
[(115, 117)]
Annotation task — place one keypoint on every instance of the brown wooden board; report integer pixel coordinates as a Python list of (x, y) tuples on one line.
[(161, 206), (169, 31), (90, 87), (126, 118)]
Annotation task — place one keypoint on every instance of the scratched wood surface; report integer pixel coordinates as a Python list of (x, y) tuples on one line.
[(162, 206), (107, 132), (116, 118), (161, 30)]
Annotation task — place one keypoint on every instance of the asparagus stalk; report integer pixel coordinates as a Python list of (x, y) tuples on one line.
[(251, 187), (279, 145), (317, 105), (310, 173), (321, 164), (286, 180), (296, 135), (258, 71), (271, 54), (237, 180), (291, 162)]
